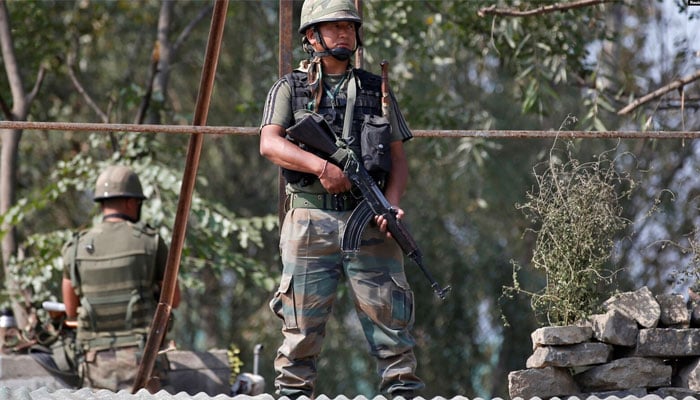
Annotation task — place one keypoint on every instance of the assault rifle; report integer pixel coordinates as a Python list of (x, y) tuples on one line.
[(314, 132)]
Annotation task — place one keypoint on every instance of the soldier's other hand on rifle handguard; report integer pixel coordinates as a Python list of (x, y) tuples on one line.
[(383, 224)]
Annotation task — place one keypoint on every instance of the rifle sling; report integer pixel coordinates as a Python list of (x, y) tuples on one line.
[(349, 106)]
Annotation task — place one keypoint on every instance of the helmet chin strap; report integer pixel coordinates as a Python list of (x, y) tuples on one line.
[(339, 53)]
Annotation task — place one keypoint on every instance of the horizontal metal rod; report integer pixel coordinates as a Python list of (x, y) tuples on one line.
[(531, 134), (144, 128), (239, 130)]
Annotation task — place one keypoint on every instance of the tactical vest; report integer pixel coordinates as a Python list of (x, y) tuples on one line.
[(368, 101), (112, 273)]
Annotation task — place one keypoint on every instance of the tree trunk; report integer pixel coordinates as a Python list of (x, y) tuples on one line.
[(160, 82), (9, 157)]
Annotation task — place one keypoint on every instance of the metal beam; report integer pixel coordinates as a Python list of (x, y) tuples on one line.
[(284, 66), (441, 133), (143, 128), (170, 281)]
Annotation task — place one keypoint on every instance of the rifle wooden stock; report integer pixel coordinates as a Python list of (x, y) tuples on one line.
[(385, 88), (311, 132)]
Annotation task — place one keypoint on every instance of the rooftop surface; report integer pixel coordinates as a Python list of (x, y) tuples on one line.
[(83, 394)]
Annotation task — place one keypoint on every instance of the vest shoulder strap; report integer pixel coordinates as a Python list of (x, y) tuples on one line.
[(74, 275)]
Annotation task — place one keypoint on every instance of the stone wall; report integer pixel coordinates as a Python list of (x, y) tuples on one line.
[(643, 344)]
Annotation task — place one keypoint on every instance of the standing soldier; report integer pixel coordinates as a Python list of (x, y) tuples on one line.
[(111, 280), (319, 204)]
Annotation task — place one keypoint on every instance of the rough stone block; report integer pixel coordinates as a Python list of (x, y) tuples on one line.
[(694, 306), (560, 335), (639, 305), (634, 392), (668, 342), (570, 356), (541, 382), (675, 393), (688, 376), (625, 373), (614, 328), (674, 310)]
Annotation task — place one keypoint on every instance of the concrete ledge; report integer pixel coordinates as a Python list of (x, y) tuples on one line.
[(200, 372), (191, 372), (23, 371)]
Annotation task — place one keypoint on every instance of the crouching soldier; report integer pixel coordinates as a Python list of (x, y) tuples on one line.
[(111, 280)]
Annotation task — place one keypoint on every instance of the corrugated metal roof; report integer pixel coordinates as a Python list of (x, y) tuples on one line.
[(85, 394), (92, 394)]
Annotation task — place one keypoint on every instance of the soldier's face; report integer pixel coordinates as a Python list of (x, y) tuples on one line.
[(335, 34)]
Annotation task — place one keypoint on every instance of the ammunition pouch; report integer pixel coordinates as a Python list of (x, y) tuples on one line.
[(60, 359), (376, 139), (65, 353)]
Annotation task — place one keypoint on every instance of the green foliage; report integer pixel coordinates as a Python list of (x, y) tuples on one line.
[(450, 69), (577, 217), (219, 239), (234, 360), (38, 267)]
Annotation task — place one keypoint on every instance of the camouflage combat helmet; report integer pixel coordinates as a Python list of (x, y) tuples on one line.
[(118, 181), (317, 11), (314, 12)]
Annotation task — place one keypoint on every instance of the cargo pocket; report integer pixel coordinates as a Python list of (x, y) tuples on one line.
[(402, 307), (282, 304)]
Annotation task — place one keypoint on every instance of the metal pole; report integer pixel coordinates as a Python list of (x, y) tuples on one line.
[(143, 128), (160, 320), (360, 56), (284, 66), (439, 133), (526, 134)]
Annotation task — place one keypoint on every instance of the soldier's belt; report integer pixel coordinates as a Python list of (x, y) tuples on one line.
[(332, 202), (114, 342)]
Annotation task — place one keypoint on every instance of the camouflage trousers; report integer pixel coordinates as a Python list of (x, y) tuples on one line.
[(313, 265), (116, 369)]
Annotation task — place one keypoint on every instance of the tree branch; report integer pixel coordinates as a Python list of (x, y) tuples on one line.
[(146, 99), (188, 29), (12, 68), (510, 12), (81, 90), (162, 54), (678, 83), (37, 85)]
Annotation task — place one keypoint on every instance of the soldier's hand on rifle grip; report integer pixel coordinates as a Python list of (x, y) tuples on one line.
[(383, 224), (333, 179)]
